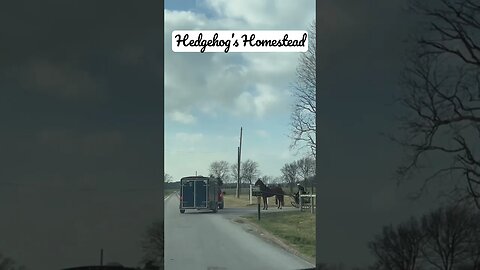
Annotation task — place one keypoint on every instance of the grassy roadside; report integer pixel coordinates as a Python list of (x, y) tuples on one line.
[(296, 229)]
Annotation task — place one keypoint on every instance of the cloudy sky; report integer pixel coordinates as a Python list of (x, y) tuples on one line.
[(209, 96)]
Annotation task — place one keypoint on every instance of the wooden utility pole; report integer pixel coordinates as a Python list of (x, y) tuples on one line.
[(239, 154)]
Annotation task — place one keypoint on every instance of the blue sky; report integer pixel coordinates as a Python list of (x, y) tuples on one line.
[(208, 97)]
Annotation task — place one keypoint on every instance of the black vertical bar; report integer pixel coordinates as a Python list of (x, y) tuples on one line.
[(258, 206), (258, 211)]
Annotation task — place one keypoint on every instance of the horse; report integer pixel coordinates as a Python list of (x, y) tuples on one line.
[(270, 192)]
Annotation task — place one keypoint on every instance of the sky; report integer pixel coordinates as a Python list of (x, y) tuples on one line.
[(81, 130), (208, 97)]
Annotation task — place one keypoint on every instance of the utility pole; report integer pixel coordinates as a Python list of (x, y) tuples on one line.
[(239, 154), (101, 257)]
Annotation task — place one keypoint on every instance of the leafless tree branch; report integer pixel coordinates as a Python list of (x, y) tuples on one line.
[(442, 94), (303, 125)]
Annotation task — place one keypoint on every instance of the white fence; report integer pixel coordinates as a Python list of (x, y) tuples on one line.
[(312, 204)]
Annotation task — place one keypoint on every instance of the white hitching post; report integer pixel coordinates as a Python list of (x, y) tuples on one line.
[(251, 188), (300, 202), (312, 203)]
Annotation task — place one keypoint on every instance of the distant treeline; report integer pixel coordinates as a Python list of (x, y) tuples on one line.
[(176, 185)]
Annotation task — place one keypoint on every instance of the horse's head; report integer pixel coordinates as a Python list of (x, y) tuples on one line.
[(259, 183)]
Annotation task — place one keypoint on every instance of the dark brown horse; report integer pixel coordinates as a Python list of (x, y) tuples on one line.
[(270, 192)]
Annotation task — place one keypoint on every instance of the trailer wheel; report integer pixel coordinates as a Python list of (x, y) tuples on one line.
[(182, 211)]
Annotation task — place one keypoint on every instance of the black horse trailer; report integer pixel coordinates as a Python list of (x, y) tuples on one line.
[(199, 192)]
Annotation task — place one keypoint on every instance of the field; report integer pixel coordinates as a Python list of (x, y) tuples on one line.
[(296, 229)]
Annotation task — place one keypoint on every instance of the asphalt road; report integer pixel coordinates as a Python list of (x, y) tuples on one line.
[(212, 241)]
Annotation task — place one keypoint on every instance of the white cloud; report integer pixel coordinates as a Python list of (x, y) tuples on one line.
[(286, 155), (264, 99), (268, 14), (182, 117), (244, 103)]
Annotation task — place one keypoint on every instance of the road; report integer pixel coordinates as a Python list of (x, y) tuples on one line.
[(205, 240)]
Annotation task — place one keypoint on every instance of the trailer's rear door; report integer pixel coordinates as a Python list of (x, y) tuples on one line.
[(201, 193), (188, 193)]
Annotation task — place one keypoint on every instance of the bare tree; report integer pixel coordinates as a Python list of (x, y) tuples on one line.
[(267, 179), (473, 260), (306, 170), (168, 178), (290, 174), (448, 237), (234, 172), (303, 122), (249, 171), (475, 242), (153, 244), (442, 97), (220, 170), (234, 176), (278, 180), (398, 248)]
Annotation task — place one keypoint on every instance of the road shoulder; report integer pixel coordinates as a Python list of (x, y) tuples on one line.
[(269, 237)]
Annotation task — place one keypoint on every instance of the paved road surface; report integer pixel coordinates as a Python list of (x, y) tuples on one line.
[(205, 240)]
